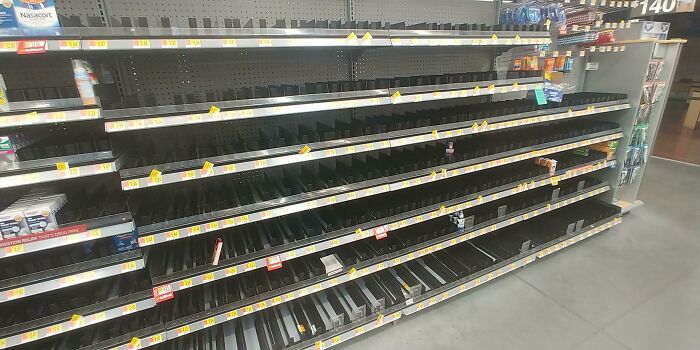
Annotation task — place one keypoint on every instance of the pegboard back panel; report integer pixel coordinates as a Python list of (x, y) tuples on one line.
[(406, 62), (36, 71), (418, 11), (179, 11), (165, 75), (80, 8)]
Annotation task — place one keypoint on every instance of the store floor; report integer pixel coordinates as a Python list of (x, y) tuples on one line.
[(674, 141), (634, 287)]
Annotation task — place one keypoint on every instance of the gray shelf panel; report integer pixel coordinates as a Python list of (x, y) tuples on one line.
[(226, 313), (79, 232), (51, 163), (451, 290), (238, 114), (63, 170), (133, 119), (286, 253), (47, 112), (14, 293), (75, 319), (191, 226), (223, 165)]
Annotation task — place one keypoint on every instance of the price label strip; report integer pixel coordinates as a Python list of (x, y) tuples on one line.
[(466, 92), (62, 282), (53, 175), (75, 322), (38, 118), (186, 119)]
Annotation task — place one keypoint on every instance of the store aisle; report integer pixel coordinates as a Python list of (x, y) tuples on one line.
[(673, 140), (635, 287)]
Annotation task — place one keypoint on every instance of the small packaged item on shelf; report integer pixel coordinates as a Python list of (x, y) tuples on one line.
[(549, 64), (659, 87), (623, 177), (568, 64), (559, 63), (655, 67), (643, 114), (581, 17), (125, 242), (34, 212), (648, 92), (518, 64), (533, 63), (606, 37), (4, 105), (85, 79), (41, 215), (12, 223)]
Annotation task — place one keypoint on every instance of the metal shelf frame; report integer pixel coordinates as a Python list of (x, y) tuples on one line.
[(183, 228), (146, 39), (136, 178), (60, 168), (165, 116), (48, 112), (46, 281), (226, 269)]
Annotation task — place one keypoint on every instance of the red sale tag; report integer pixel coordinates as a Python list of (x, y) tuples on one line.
[(162, 293), (28, 47), (381, 232), (274, 263)]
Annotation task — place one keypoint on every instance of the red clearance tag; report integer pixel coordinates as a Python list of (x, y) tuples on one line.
[(380, 232), (274, 263), (163, 293), (28, 47)]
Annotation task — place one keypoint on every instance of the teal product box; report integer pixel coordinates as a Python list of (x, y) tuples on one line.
[(37, 17)]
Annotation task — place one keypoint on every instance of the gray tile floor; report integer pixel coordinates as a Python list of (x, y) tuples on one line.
[(634, 287)]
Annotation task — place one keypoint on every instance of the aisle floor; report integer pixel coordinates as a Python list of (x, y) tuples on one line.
[(634, 287)]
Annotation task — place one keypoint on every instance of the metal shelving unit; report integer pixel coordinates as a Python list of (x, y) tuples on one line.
[(140, 177), (276, 87)]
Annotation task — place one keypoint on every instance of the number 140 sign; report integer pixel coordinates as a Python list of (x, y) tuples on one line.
[(656, 7)]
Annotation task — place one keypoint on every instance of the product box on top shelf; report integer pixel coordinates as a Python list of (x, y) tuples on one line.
[(34, 212)]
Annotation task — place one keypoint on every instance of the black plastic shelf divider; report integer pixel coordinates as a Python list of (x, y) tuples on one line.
[(450, 290), (345, 236), (223, 165), (183, 228), (224, 313)]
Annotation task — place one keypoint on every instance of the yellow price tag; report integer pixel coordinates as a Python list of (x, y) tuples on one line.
[(168, 43), (142, 44), (229, 43), (129, 266)]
